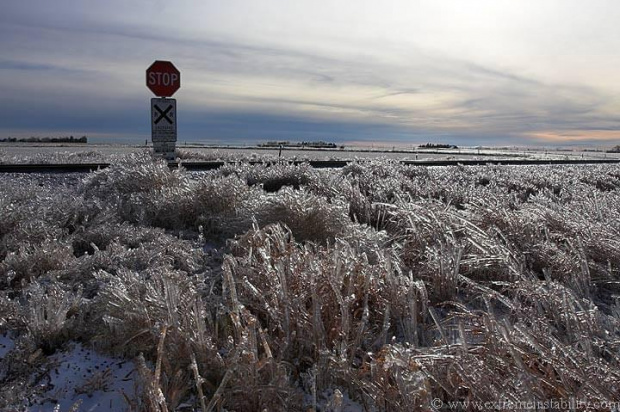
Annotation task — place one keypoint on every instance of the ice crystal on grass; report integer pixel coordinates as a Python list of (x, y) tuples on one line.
[(308, 216), (281, 287), (33, 261), (48, 314), (59, 157)]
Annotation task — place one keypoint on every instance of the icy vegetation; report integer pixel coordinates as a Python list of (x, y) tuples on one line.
[(378, 286), (56, 157), (34, 155)]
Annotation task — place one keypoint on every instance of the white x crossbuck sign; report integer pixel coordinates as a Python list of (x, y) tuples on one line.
[(163, 120)]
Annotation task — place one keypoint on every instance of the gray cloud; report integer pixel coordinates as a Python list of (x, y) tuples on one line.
[(415, 93)]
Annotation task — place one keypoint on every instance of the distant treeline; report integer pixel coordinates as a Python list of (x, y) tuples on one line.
[(615, 149), (32, 139), (286, 143), (438, 146)]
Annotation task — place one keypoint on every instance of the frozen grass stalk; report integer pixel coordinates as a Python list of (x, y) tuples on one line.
[(279, 286)]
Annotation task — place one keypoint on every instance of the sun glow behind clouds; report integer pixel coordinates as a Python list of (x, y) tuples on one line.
[(497, 69), (574, 136)]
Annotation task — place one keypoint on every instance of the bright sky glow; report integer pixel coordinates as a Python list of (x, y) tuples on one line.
[(467, 72)]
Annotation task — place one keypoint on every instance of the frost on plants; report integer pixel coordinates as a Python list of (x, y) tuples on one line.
[(376, 287)]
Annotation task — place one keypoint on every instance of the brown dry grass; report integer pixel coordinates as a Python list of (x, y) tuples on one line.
[(391, 285)]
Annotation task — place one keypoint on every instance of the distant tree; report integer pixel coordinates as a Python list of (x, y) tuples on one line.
[(615, 149), (438, 146)]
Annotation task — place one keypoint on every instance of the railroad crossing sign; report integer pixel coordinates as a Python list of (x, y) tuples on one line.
[(164, 126), (162, 78)]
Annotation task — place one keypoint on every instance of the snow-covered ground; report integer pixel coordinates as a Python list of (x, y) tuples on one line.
[(96, 382), (93, 152), (6, 344), (81, 377), (24, 149)]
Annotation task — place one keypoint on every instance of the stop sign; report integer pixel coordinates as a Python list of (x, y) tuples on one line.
[(162, 78)]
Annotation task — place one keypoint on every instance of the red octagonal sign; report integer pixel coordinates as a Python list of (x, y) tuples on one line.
[(163, 79)]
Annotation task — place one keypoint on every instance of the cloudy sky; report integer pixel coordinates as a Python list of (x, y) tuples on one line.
[(518, 72)]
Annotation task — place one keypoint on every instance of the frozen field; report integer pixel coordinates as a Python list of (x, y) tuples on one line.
[(378, 287), (17, 153)]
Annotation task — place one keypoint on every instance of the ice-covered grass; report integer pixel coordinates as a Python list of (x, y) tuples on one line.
[(37, 156), (377, 286)]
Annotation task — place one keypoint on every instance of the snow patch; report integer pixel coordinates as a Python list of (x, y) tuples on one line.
[(334, 400), (82, 375), (6, 344)]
